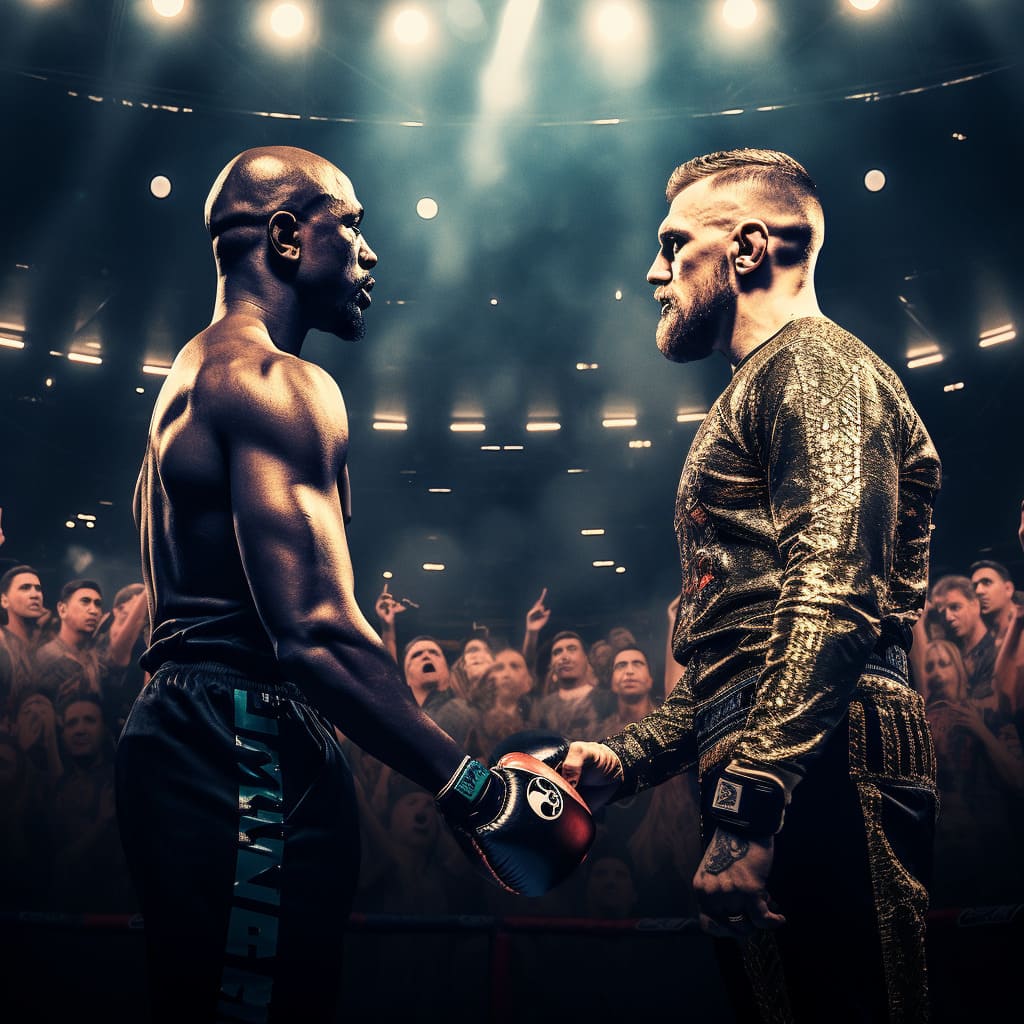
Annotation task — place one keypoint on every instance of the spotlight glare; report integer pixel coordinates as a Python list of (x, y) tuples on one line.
[(874, 181), (49, 382), (864, 5), (81, 357), (690, 417), (542, 426), (138, 391), (387, 574), (618, 294), (592, 533), (168, 8), (160, 186), (411, 27), (463, 427), (603, 563), (958, 386), (155, 369), (427, 208), (619, 421), (739, 13), (997, 336), (287, 20), (69, 524), (620, 569), (433, 566), (928, 360), (615, 23), (390, 425)]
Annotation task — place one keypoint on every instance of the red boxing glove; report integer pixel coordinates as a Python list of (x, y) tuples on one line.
[(521, 823)]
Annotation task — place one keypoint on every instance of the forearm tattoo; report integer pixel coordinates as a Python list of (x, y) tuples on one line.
[(723, 852)]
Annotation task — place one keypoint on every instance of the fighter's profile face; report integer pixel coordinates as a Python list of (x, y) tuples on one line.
[(336, 261), (691, 274)]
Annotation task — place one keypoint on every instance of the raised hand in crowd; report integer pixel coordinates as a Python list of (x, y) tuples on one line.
[(387, 608), (536, 619)]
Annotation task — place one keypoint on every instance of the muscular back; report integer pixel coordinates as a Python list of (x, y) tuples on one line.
[(233, 409)]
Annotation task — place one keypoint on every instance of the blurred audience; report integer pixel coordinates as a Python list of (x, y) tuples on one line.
[(65, 691)]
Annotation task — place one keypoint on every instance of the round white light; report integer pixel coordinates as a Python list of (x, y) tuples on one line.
[(387, 574), (427, 208), (160, 186), (864, 5), (168, 8), (494, 302), (411, 27), (739, 13), (287, 20), (618, 294), (874, 181), (615, 23), (70, 524)]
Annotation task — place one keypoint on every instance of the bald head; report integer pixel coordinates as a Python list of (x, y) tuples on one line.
[(259, 182)]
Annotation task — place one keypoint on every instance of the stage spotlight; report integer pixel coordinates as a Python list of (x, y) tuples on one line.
[(168, 8), (864, 5), (739, 13), (874, 181), (287, 20), (411, 27), (614, 23), (427, 208), (160, 186)]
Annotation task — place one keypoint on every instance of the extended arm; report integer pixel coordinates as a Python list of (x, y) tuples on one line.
[(285, 442)]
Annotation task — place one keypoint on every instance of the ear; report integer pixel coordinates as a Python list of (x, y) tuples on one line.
[(283, 234), (751, 245)]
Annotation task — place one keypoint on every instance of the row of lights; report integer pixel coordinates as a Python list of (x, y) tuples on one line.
[(929, 355), (610, 22), (532, 426)]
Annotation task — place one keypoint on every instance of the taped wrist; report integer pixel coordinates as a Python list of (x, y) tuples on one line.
[(465, 792), (748, 802)]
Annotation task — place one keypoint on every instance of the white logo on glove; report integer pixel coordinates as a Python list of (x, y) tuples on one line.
[(544, 798)]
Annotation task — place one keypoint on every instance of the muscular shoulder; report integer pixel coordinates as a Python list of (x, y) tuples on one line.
[(248, 390)]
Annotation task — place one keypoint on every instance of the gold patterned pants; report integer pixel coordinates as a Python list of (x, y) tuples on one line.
[(850, 874)]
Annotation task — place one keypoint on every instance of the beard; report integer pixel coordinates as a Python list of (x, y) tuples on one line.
[(685, 336), (351, 326)]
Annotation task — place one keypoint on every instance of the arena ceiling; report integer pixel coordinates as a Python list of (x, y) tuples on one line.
[(546, 153)]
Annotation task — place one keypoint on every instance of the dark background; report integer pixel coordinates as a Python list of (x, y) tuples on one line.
[(539, 208)]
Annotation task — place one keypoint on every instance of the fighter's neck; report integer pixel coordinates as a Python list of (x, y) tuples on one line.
[(762, 318), (278, 313)]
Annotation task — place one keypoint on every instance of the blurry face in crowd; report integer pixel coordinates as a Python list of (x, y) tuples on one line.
[(941, 675), (24, 597), (962, 613), (8, 763), (601, 654), (476, 656), (510, 674), (620, 638), (414, 820), (425, 666), (82, 610), (631, 675), (568, 660), (610, 887), (83, 728), (993, 592)]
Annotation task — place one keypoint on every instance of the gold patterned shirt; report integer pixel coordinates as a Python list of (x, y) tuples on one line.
[(803, 518)]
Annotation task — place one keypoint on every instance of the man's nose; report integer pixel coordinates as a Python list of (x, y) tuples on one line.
[(367, 257), (660, 271)]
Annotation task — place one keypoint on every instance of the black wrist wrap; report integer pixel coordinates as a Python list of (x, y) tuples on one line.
[(461, 793), (751, 804)]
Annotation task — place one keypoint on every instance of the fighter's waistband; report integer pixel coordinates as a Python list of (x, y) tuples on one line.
[(726, 711), (234, 677)]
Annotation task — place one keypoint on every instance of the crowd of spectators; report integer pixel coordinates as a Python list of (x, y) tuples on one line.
[(68, 677)]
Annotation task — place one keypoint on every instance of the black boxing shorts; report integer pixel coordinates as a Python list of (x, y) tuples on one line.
[(238, 819)]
